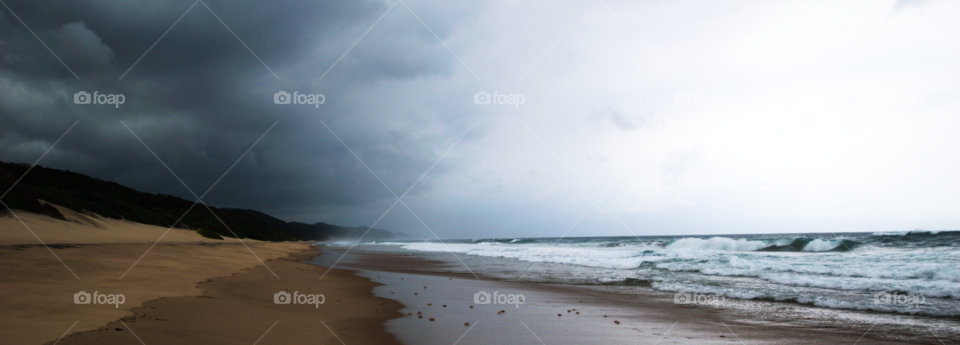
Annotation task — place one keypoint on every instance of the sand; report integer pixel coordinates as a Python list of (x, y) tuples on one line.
[(644, 318), (190, 289), (187, 289), (85, 228)]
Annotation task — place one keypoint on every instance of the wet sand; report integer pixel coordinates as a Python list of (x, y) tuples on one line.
[(648, 318)]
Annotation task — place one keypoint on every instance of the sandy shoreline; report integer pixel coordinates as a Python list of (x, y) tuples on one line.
[(644, 318), (187, 289)]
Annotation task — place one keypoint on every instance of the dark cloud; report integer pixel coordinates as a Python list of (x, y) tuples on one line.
[(200, 99)]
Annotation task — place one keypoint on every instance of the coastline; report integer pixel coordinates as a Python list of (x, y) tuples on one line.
[(186, 289), (648, 316), (190, 289)]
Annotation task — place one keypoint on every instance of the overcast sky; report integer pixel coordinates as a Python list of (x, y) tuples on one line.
[(638, 118)]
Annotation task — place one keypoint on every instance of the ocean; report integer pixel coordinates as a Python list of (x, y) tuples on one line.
[(911, 272)]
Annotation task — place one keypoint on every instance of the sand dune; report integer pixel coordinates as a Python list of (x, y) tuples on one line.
[(39, 289), (85, 228)]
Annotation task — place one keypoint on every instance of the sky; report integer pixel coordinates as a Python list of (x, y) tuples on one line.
[(503, 118)]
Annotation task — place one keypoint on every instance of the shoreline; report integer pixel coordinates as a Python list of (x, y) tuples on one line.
[(751, 322), (190, 289)]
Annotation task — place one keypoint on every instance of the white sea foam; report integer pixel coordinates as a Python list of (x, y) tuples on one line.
[(819, 245), (890, 233), (735, 268), (913, 286), (616, 258), (717, 243)]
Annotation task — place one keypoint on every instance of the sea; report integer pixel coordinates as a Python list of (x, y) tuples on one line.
[(909, 272)]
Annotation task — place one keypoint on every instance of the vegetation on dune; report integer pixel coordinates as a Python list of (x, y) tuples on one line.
[(82, 193)]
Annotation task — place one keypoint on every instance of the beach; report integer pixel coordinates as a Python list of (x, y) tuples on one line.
[(439, 286), (187, 289), (190, 289)]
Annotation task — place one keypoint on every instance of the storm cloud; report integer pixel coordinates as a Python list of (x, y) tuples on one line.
[(199, 99)]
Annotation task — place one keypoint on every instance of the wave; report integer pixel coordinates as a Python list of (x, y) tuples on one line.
[(615, 258), (908, 233), (928, 288), (819, 245), (717, 243), (801, 244), (858, 302), (812, 269)]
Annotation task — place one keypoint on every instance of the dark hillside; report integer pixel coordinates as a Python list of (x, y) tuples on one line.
[(81, 193)]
